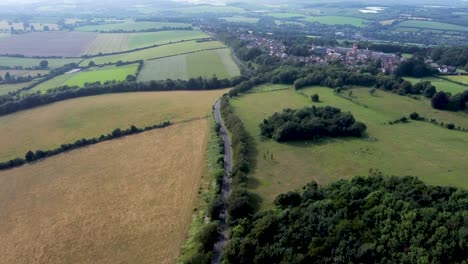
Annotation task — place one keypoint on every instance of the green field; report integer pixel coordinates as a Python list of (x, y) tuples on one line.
[(459, 78), (6, 88), (32, 62), (241, 19), (431, 25), (23, 73), (130, 26), (201, 9), (440, 84), (110, 73), (50, 126), (157, 52), (336, 20), (433, 153), (286, 15), (200, 64)]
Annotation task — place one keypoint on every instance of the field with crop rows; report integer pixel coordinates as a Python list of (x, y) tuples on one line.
[(200, 64), (123, 201)]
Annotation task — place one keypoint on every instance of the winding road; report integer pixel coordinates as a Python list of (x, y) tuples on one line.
[(226, 187)]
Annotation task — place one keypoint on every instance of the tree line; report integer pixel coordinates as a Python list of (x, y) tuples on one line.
[(39, 154), (366, 219), (10, 104), (311, 123), (446, 101)]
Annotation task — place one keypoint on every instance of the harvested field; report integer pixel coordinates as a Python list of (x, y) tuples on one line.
[(50, 126), (157, 52), (47, 43), (200, 64), (122, 201), (108, 43)]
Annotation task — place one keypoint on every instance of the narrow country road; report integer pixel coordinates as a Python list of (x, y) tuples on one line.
[(219, 246)]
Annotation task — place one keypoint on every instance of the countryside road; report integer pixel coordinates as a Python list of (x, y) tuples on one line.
[(219, 246)]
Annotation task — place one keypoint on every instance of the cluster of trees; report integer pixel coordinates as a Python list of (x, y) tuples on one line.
[(311, 123), (454, 56), (10, 103), (41, 154), (367, 219), (241, 203), (414, 67), (446, 101), (9, 79)]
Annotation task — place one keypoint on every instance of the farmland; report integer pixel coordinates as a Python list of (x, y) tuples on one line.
[(440, 84), (130, 26), (216, 62), (459, 78), (241, 19), (6, 26), (50, 126), (23, 73), (47, 43), (437, 157), (336, 20), (123, 201), (286, 15), (431, 25), (6, 88), (33, 62), (157, 52), (109, 73)]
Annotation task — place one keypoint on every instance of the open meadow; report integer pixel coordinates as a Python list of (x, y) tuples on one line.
[(430, 25), (49, 126), (440, 84), (23, 73), (130, 26), (433, 153), (102, 75), (117, 42), (336, 20), (157, 52), (68, 44), (459, 78), (6, 88), (123, 201), (214, 62)]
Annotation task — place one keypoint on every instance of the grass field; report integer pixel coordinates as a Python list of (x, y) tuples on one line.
[(433, 153), (201, 9), (431, 25), (440, 84), (108, 73), (32, 62), (241, 19), (157, 52), (23, 73), (122, 201), (117, 42), (47, 43), (130, 26), (50, 126), (336, 20), (459, 78), (6, 88), (200, 64), (286, 15)]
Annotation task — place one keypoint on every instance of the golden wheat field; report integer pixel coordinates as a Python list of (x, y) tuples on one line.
[(50, 126), (122, 201)]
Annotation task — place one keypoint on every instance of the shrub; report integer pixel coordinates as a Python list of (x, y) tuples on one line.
[(315, 98)]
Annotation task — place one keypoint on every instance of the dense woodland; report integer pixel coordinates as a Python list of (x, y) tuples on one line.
[(311, 123), (367, 219)]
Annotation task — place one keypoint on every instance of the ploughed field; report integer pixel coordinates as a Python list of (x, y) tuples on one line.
[(49, 126), (433, 153), (122, 201)]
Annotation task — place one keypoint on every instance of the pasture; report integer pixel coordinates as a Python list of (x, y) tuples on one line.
[(459, 78), (433, 153), (61, 44), (336, 20), (286, 15), (440, 84), (123, 201), (50, 126), (23, 73), (117, 42), (430, 25), (157, 52), (129, 26), (102, 75), (6, 88), (184, 67), (34, 62)]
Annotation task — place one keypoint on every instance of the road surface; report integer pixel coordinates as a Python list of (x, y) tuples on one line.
[(226, 187)]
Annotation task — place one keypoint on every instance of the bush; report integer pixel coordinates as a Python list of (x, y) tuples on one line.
[(315, 98), (414, 116), (208, 236), (450, 126)]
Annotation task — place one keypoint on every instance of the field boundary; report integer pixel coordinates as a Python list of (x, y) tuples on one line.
[(450, 80), (40, 155), (185, 53)]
